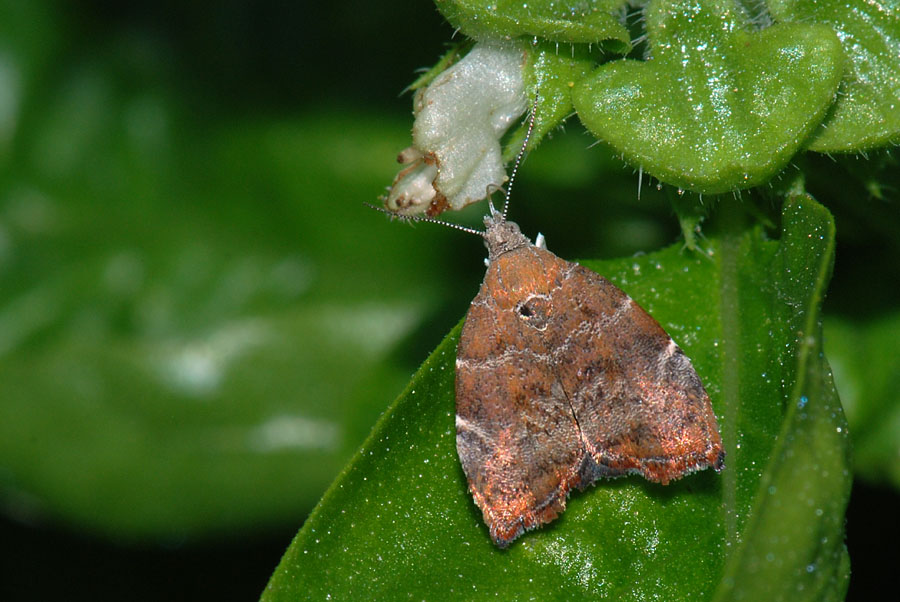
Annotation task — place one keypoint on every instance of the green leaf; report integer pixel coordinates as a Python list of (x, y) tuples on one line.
[(573, 21), (399, 522), (867, 111), (185, 354), (867, 373), (552, 77), (30, 38), (791, 547), (716, 107)]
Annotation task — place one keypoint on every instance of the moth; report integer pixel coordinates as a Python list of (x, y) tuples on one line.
[(561, 378)]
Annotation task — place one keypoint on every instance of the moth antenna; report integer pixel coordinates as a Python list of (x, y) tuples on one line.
[(420, 218), (521, 155)]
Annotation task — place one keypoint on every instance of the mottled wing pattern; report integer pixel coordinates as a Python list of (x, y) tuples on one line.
[(640, 405), (517, 438), (561, 379)]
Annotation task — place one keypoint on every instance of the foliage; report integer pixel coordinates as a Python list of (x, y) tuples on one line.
[(715, 106), (200, 323), (399, 521)]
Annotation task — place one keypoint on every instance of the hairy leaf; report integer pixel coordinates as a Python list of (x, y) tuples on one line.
[(716, 107), (867, 111), (573, 21)]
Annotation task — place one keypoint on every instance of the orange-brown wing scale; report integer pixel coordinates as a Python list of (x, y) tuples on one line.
[(561, 379)]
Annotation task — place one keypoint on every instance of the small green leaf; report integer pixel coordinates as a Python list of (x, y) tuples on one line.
[(867, 111), (552, 76), (715, 107), (691, 214), (399, 522), (573, 21)]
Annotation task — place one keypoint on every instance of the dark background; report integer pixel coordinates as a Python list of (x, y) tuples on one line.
[(284, 58)]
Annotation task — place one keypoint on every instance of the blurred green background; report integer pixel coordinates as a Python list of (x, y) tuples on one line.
[(199, 319)]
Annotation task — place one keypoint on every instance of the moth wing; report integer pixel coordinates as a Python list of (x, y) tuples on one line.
[(637, 398), (516, 435)]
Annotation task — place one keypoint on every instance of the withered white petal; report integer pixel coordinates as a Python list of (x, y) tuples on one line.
[(460, 118)]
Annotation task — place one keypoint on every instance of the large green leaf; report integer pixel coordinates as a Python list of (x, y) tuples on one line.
[(716, 107), (399, 522), (188, 345), (791, 547), (866, 113)]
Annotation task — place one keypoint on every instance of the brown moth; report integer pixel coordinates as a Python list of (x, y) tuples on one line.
[(561, 378)]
